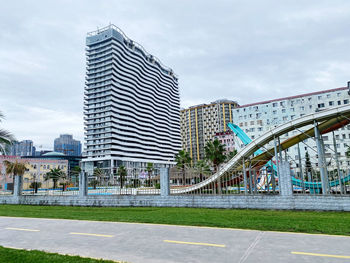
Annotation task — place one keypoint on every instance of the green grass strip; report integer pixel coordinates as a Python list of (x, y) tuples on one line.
[(335, 223), (35, 256)]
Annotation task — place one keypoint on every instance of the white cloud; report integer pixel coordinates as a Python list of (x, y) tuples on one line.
[(242, 50), (42, 125)]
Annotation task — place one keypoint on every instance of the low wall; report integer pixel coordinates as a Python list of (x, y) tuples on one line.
[(298, 202)]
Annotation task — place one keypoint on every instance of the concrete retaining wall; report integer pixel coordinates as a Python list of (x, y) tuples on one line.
[(299, 202)]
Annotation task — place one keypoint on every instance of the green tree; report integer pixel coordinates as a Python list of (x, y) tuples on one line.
[(15, 168), (183, 160), (99, 175), (215, 152), (122, 174), (75, 173), (35, 186), (55, 175), (308, 167), (230, 155), (202, 168), (6, 138), (149, 171), (94, 183)]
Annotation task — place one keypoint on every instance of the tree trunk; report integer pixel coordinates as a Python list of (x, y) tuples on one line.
[(54, 184), (218, 181), (183, 176)]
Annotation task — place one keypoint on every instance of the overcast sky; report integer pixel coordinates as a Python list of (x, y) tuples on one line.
[(246, 51)]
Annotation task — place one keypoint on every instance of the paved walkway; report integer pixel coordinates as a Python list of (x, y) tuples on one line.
[(143, 243)]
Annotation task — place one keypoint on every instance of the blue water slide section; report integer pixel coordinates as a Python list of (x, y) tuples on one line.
[(246, 140)]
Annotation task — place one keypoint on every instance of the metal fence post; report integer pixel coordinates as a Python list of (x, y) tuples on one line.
[(245, 178), (321, 164), (337, 162), (83, 187), (17, 188), (164, 182)]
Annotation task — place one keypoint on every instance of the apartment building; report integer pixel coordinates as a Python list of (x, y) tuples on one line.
[(132, 105), (257, 118), (201, 123)]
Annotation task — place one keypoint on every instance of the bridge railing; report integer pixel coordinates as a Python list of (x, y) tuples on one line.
[(253, 180)]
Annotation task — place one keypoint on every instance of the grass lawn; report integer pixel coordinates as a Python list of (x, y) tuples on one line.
[(35, 256), (336, 223)]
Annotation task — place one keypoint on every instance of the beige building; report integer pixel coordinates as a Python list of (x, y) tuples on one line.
[(36, 169), (200, 123)]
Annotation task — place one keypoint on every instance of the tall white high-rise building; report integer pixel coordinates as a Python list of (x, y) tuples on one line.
[(132, 104)]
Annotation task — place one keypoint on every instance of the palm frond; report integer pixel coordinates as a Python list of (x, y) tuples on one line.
[(6, 136)]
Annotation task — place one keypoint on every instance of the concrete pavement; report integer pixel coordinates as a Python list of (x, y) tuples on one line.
[(143, 243)]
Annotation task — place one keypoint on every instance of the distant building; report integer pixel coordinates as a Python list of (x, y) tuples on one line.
[(226, 138), (36, 169), (200, 124), (72, 160), (41, 152), (67, 145), (22, 148)]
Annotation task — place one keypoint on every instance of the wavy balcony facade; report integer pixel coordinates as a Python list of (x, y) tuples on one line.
[(139, 95)]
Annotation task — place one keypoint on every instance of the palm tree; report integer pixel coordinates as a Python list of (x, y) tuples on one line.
[(122, 173), (230, 155), (75, 172), (214, 152), (99, 174), (55, 174), (149, 171), (6, 138), (202, 168), (182, 160), (15, 169)]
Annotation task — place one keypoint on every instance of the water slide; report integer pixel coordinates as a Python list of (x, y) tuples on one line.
[(328, 120), (297, 182), (246, 140)]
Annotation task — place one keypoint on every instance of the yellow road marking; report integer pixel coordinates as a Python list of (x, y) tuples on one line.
[(22, 229), (319, 255), (89, 234), (194, 243), (183, 226)]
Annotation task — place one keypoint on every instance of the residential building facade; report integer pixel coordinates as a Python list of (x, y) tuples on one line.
[(226, 138), (35, 172), (73, 161), (257, 118), (67, 145), (200, 124), (132, 105)]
